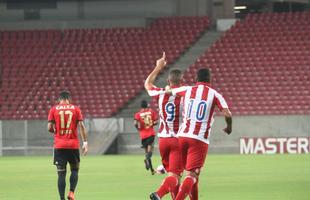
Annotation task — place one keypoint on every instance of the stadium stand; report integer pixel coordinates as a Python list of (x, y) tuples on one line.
[(262, 64), (106, 66)]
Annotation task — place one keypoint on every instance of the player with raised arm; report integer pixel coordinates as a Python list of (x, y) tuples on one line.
[(63, 120), (170, 114), (199, 104), (144, 121)]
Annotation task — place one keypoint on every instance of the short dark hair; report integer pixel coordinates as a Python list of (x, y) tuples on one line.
[(64, 95), (175, 76), (144, 104), (203, 75)]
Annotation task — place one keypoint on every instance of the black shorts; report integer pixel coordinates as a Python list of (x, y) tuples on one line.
[(147, 141), (64, 156)]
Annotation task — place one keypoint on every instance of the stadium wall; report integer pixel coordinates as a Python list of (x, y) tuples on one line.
[(109, 13), (30, 137), (282, 126), (73, 24)]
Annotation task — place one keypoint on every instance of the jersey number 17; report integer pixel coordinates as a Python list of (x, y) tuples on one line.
[(65, 124)]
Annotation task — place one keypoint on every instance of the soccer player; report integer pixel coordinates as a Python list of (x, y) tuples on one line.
[(170, 114), (63, 120), (144, 121), (199, 104)]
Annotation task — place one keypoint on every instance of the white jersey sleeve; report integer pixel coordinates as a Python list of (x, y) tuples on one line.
[(180, 91), (220, 101), (155, 91)]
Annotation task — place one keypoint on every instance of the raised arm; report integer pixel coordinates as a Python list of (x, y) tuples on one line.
[(228, 119), (83, 134), (160, 64), (181, 91)]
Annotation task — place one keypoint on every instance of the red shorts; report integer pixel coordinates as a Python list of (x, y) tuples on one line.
[(170, 155), (193, 153)]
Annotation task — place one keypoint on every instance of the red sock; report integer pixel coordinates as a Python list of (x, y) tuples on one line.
[(169, 184), (174, 193), (194, 192), (185, 188)]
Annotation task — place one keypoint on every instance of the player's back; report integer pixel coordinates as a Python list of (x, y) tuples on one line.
[(199, 104), (170, 111), (146, 118), (66, 118)]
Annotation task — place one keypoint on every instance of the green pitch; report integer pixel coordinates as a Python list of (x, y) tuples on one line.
[(233, 177)]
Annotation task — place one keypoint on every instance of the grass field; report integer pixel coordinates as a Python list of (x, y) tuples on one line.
[(233, 177)]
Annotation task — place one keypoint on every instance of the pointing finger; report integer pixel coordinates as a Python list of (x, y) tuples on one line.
[(164, 55)]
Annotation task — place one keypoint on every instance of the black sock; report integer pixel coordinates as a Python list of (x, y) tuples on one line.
[(62, 184), (74, 179), (150, 164), (148, 157)]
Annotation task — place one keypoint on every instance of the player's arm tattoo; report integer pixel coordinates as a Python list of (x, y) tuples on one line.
[(228, 120), (51, 127), (137, 124), (83, 134), (83, 131)]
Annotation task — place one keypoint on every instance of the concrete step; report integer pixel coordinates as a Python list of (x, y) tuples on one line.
[(102, 134)]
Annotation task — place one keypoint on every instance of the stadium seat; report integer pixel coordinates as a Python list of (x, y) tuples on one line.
[(261, 64), (103, 68)]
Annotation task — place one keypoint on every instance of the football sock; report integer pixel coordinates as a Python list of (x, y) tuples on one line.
[(74, 179), (150, 164), (174, 193), (62, 184), (194, 192), (169, 184), (148, 156), (185, 187)]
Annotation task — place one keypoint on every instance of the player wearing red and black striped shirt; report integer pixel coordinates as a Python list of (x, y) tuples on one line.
[(170, 113)]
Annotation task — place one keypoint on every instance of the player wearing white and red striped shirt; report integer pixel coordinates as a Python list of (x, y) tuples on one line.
[(199, 104), (170, 111)]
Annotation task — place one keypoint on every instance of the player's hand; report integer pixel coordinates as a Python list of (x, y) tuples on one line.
[(162, 62), (85, 148), (227, 130), (167, 88)]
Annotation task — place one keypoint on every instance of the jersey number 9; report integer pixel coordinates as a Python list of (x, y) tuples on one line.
[(170, 110)]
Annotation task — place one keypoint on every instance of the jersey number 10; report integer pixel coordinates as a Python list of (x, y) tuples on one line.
[(200, 112)]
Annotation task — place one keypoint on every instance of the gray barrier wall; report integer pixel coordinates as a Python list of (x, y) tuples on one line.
[(25, 137), (243, 126), (30, 137)]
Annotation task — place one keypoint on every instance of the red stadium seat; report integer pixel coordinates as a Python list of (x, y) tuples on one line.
[(106, 66), (267, 56)]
